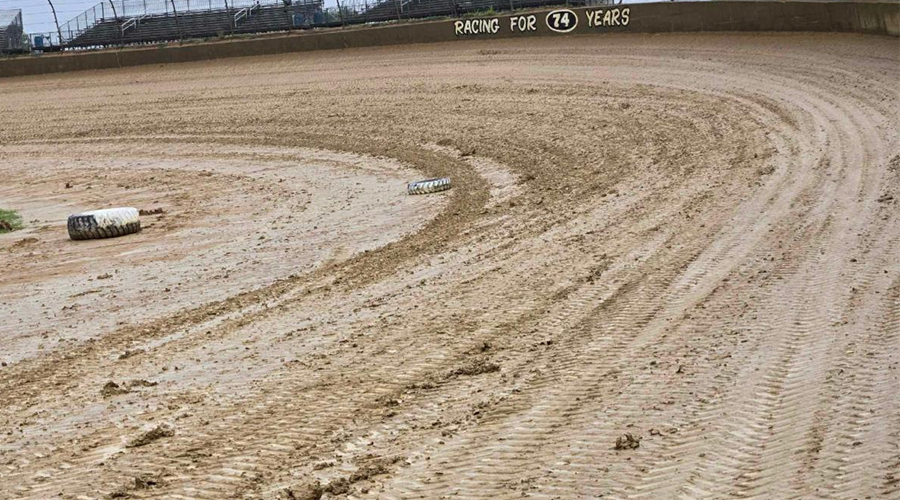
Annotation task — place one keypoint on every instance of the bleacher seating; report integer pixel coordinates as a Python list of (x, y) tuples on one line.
[(278, 16), (160, 28), (379, 11), (10, 30)]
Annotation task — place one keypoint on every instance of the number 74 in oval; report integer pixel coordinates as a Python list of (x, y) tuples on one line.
[(562, 20)]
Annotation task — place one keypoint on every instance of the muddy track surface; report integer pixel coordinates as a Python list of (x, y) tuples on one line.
[(691, 239)]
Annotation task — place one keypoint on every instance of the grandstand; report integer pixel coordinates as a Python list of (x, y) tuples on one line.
[(138, 21), (11, 31), (157, 27)]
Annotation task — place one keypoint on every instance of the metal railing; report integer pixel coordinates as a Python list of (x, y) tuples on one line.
[(297, 14), (132, 9), (46, 41), (134, 22), (245, 13)]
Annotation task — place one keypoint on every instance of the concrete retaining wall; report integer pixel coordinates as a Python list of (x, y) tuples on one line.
[(879, 18)]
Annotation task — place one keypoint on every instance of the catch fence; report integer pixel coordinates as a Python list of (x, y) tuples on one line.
[(123, 22)]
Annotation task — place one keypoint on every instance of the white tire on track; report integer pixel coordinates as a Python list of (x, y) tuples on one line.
[(107, 223), (428, 186)]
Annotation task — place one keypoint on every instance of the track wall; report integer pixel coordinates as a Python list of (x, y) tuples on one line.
[(878, 18)]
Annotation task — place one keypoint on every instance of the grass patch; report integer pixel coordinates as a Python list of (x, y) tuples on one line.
[(10, 220)]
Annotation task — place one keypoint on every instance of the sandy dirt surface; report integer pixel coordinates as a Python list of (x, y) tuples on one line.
[(667, 269)]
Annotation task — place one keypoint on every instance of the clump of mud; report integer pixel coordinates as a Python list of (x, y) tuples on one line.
[(469, 368), (141, 383), (310, 491), (314, 490), (476, 366), (142, 482), (24, 242), (129, 353), (147, 481), (112, 389), (158, 432), (628, 442)]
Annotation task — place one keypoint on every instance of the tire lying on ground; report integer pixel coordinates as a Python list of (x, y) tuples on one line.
[(428, 186), (107, 223)]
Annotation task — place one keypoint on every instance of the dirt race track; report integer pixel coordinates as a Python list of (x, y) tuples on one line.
[(691, 239)]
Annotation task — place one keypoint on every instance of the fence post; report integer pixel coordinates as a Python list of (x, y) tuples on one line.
[(177, 24), (289, 13), (397, 4), (340, 13), (230, 17), (55, 21), (116, 15), (513, 7), (102, 11)]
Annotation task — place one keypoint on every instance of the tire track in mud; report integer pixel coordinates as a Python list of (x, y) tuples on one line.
[(219, 482), (794, 384), (426, 357), (576, 306), (542, 334), (545, 406), (221, 316), (694, 492), (12, 380), (859, 385), (889, 481), (481, 478), (858, 402), (228, 475), (665, 471), (578, 298), (682, 429)]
